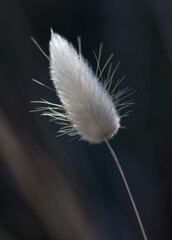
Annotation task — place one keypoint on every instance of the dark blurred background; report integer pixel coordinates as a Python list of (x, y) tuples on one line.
[(51, 188)]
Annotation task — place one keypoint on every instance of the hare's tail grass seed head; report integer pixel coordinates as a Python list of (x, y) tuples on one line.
[(88, 108)]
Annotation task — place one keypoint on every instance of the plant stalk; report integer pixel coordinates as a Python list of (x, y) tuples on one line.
[(128, 189)]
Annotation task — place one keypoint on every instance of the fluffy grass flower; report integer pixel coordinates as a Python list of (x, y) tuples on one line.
[(89, 109), (88, 106)]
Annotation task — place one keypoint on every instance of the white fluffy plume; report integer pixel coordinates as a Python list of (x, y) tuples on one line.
[(89, 110)]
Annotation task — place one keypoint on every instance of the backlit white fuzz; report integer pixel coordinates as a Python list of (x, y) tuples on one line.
[(88, 107)]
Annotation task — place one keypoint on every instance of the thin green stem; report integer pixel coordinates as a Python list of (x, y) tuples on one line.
[(128, 189)]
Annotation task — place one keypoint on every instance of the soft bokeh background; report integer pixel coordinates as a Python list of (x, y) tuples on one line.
[(51, 188)]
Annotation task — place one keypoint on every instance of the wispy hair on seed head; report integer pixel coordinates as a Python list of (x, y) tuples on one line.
[(88, 99)]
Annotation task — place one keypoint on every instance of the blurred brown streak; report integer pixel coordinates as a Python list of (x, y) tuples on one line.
[(5, 236), (44, 187)]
